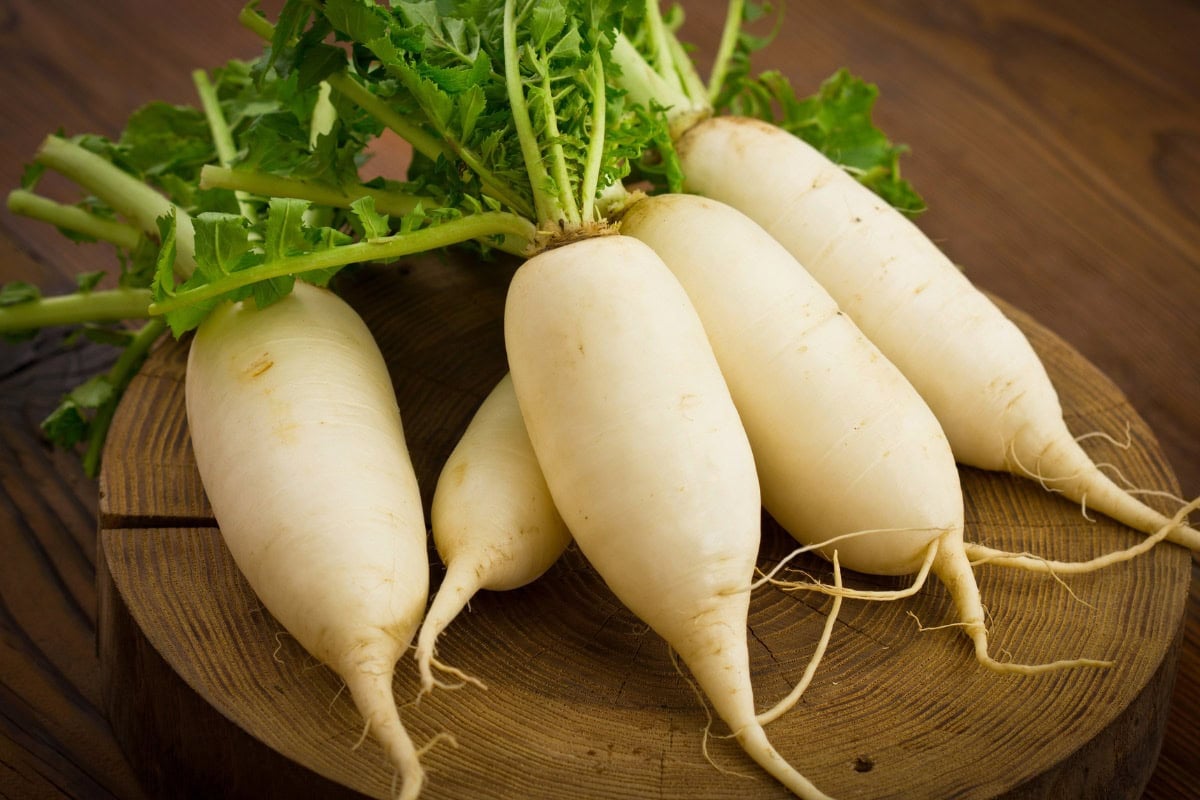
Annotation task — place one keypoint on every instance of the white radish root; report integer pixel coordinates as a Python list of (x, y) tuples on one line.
[(842, 441), (645, 457), (298, 440), (973, 366), (494, 522)]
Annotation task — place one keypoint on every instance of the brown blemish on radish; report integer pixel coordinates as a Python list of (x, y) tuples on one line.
[(260, 365)]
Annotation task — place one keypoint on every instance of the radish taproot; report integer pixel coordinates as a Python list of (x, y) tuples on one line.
[(974, 367), (298, 440), (841, 440), (626, 408), (646, 457), (322, 514), (970, 362), (846, 450), (493, 520)]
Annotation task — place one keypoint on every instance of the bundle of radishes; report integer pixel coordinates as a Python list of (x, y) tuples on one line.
[(713, 317)]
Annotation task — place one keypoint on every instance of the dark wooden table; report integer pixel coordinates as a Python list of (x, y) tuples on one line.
[(1057, 143)]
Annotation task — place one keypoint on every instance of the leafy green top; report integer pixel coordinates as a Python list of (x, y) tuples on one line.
[(526, 118), (836, 119), (184, 246), (516, 92)]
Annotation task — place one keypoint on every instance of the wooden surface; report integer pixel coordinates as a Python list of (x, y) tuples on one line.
[(1056, 143), (583, 700)]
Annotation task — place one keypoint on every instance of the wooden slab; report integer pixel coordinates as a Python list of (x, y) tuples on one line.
[(209, 696)]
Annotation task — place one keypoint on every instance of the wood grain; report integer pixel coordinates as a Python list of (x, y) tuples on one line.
[(584, 699), (1056, 143)]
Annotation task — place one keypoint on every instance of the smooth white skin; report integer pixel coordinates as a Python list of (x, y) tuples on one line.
[(645, 456), (842, 441), (974, 367), (494, 522), (298, 440)]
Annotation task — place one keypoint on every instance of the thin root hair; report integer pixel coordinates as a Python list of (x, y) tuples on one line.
[(311, 662), (1132, 488), (1174, 498), (802, 573), (967, 625), (985, 658), (278, 646), (341, 688), (793, 697), (463, 677), (708, 734), (691, 683), (438, 738), (867, 594), (409, 704), (1125, 445), (1049, 666), (808, 548), (1083, 509), (980, 554), (927, 628), (1036, 473), (708, 716), (1129, 485), (362, 737)]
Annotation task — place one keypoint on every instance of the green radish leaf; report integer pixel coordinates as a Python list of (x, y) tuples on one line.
[(285, 227), (67, 425), (837, 120), (320, 239), (87, 281), (321, 61), (184, 319), (547, 21), (284, 236), (470, 106), (91, 394), (374, 224), (659, 164), (139, 264), (15, 292), (164, 264), (738, 74), (272, 290), (360, 20), (222, 244), (413, 220), (276, 143), (567, 48), (292, 19), (161, 139), (31, 174)]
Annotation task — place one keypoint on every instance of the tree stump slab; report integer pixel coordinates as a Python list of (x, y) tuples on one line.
[(210, 697)]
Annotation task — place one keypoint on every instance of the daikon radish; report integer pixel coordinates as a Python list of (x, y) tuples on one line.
[(298, 440), (493, 520)]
